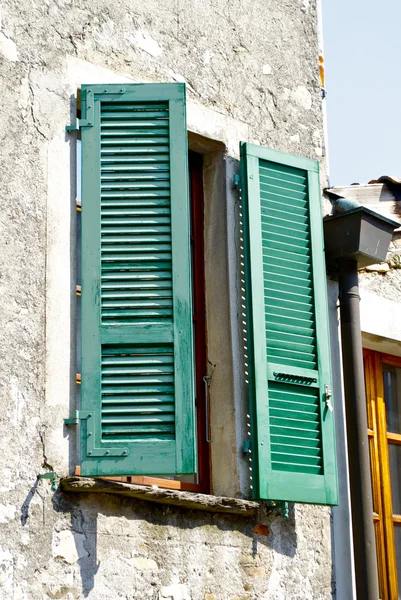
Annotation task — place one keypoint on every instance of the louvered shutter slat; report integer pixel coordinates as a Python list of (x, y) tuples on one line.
[(289, 367), (137, 402)]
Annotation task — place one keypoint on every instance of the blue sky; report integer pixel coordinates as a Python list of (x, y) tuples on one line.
[(362, 49)]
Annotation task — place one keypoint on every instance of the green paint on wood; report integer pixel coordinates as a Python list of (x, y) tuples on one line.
[(137, 391), (288, 340)]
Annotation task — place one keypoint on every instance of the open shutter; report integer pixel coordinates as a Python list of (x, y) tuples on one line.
[(288, 339), (137, 391)]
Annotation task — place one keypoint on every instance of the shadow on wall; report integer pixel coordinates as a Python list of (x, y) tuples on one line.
[(122, 539), (75, 544), (25, 506), (133, 536), (78, 545)]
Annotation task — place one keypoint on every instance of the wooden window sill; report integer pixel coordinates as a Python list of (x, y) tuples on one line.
[(190, 500)]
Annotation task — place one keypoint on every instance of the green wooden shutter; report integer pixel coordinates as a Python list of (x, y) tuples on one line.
[(137, 391), (293, 441)]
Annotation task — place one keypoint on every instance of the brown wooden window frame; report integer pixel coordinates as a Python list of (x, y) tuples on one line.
[(384, 518)]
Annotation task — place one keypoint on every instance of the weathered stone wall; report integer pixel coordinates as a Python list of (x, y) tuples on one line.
[(384, 279), (107, 548), (252, 64)]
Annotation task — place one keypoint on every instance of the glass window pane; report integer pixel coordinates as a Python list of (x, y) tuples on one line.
[(394, 453), (397, 539), (392, 397)]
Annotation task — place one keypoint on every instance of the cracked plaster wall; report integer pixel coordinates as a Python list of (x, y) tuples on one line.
[(253, 63)]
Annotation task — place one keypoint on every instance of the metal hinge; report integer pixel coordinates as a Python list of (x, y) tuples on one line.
[(91, 449), (283, 508), (111, 90), (53, 479), (72, 420), (246, 447), (236, 181), (77, 125)]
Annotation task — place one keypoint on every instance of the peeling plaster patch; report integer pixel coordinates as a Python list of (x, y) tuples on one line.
[(177, 77), (80, 71), (56, 592), (23, 97), (8, 48), (147, 44), (207, 56), (69, 546), (318, 141), (25, 539), (7, 512), (144, 564), (107, 28), (21, 591), (7, 478), (6, 571), (295, 139), (302, 97), (267, 70), (55, 447), (180, 79), (19, 402), (21, 562), (176, 591)]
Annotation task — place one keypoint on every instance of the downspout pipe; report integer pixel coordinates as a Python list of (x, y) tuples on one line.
[(366, 576)]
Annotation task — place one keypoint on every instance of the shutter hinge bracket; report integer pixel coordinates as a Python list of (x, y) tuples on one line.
[(53, 479), (92, 450), (281, 506), (111, 90), (72, 420), (77, 125), (246, 447), (236, 181)]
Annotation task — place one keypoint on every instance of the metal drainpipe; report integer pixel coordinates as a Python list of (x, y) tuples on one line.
[(367, 586)]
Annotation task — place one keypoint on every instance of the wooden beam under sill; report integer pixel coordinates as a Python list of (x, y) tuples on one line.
[(189, 500)]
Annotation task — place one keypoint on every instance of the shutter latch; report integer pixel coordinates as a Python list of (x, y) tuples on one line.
[(328, 395)]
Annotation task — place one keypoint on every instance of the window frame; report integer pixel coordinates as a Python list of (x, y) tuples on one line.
[(378, 439)]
